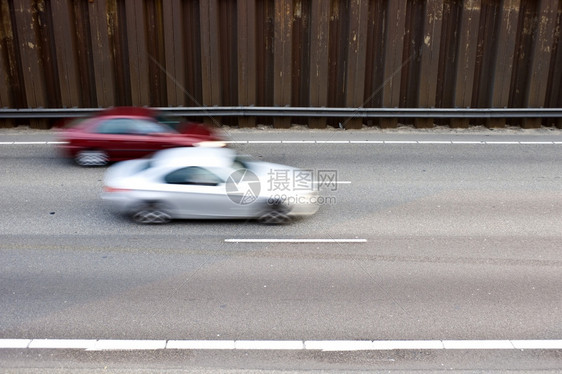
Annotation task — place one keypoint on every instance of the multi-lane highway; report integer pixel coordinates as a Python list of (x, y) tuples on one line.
[(428, 241)]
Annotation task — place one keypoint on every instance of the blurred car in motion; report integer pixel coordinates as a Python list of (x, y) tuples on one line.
[(126, 133), (204, 183)]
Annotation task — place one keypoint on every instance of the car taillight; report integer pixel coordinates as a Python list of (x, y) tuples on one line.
[(113, 189)]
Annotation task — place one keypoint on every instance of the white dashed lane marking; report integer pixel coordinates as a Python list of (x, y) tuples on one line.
[(272, 240)]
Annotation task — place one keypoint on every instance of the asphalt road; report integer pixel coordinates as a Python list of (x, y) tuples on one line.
[(462, 242)]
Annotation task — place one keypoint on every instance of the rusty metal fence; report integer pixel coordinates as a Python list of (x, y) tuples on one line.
[(284, 53)]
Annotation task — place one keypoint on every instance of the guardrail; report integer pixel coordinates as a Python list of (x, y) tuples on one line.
[(250, 111)]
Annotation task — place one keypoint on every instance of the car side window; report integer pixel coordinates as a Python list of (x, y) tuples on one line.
[(193, 175), (131, 127), (116, 126), (147, 127)]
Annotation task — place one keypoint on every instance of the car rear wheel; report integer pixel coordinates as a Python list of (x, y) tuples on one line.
[(152, 213), (275, 214), (91, 157)]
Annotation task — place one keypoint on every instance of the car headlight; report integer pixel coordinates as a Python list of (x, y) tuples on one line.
[(211, 144)]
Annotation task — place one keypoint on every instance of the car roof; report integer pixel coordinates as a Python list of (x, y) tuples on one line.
[(193, 156), (128, 111)]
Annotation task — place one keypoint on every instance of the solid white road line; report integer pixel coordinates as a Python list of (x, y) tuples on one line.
[(32, 143), (400, 142), (467, 142), (366, 142), (201, 344), (62, 343), (537, 344), (478, 344), (14, 343), (420, 142), (295, 240), (127, 345), (536, 143), (25, 143), (408, 344), (338, 345), (298, 141), (295, 345), (503, 143)]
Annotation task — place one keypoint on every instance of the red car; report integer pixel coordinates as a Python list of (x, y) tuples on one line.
[(127, 133)]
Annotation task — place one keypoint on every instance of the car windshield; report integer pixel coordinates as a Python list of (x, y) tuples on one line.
[(237, 164), (240, 162)]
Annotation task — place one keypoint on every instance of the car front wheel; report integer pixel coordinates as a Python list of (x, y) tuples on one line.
[(91, 158), (276, 213)]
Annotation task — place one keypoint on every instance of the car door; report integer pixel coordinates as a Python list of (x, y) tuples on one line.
[(197, 192), (155, 136), (120, 138)]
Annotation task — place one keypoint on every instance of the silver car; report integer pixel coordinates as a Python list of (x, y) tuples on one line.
[(208, 183)]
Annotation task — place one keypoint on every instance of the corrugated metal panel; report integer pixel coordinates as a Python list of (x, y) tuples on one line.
[(430, 53), (173, 65), (156, 52), (318, 64), (247, 57), (333, 53), (554, 84), (448, 56), (356, 59), (393, 56), (11, 91), (282, 57), (69, 87)]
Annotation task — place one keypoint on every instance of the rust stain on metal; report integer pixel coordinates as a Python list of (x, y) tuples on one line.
[(472, 5), (298, 9)]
